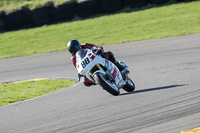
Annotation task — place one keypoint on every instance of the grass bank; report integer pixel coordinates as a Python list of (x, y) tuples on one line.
[(10, 5), (159, 22), (15, 92)]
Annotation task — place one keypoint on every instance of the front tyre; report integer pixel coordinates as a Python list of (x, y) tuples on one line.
[(106, 84), (130, 86)]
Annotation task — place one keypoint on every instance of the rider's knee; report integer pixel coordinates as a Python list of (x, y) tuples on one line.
[(87, 84)]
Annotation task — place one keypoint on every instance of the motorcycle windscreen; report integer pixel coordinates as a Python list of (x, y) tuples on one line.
[(81, 54)]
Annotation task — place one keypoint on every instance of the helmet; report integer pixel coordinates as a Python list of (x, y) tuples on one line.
[(73, 46)]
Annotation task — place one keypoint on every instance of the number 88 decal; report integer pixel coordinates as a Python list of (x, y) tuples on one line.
[(85, 62)]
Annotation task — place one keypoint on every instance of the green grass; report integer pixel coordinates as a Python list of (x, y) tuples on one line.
[(10, 5), (159, 22), (15, 92)]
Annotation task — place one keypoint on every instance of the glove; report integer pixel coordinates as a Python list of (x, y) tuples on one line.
[(99, 52), (79, 77)]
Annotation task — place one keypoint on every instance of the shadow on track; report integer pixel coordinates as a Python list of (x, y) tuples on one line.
[(153, 89)]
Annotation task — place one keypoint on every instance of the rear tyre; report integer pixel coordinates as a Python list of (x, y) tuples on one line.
[(130, 86), (106, 84)]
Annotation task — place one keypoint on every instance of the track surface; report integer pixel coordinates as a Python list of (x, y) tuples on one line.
[(167, 97)]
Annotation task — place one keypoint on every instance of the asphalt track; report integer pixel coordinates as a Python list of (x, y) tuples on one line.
[(167, 97)]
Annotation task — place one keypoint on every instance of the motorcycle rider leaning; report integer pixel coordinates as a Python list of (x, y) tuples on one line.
[(74, 46)]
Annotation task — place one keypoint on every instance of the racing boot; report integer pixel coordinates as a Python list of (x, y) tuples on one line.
[(123, 68), (120, 67)]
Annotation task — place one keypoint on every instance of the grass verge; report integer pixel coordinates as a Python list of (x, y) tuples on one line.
[(15, 92), (10, 5), (159, 22)]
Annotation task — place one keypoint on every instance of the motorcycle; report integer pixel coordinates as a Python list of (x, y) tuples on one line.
[(103, 72)]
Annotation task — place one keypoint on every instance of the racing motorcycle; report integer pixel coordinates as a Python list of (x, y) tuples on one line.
[(103, 72)]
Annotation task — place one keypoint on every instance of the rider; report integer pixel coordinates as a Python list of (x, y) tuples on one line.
[(74, 46)]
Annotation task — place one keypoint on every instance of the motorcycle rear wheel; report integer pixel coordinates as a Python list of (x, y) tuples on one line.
[(108, 85)]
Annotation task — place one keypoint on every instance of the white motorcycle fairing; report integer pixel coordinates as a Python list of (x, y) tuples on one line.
[(88, 64)]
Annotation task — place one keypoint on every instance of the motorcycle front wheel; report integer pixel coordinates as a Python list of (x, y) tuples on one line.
[(106, 84)]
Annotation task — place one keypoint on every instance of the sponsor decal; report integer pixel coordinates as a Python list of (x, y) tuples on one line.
[(114, 73), (92, 57)]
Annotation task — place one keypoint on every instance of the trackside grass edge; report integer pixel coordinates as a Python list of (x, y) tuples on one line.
[(15, 92), (159, 22)]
